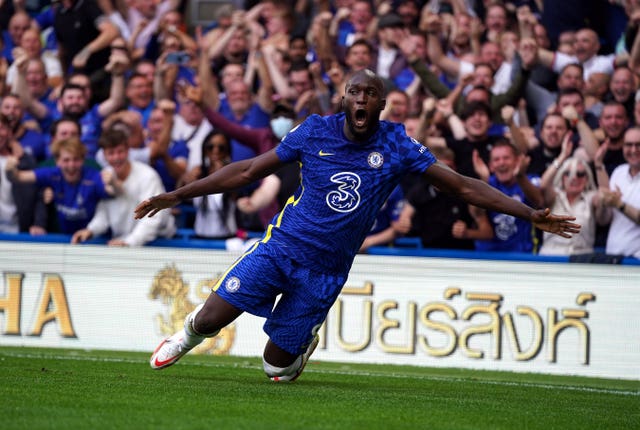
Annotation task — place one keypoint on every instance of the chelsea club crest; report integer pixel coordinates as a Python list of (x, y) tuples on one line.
[(232, 285), (375, 160)]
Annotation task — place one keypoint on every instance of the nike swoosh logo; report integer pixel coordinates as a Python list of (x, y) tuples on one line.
[(325, 154), (158, 363)]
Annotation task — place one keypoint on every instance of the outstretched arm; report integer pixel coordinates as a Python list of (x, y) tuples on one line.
[(229, 177), (478, 193)]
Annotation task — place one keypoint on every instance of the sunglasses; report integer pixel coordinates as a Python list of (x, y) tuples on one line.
[(578, 174), (210, 146)]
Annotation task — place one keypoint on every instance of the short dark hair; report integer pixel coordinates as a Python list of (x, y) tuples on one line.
[(503, 141), (487, 65), (70, 86), (110, 138), (136, 75), (283, 109), (568, 92), (54, 126), (482, 88), (360, 42), (473, 107), (576, 65)]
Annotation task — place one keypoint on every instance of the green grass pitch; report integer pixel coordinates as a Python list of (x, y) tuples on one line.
[(72, 389)]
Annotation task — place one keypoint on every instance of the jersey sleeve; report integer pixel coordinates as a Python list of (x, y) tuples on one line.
[(43, 175), (417, 156), (289, 148)]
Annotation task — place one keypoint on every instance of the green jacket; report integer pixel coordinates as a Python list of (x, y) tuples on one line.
[(431, 82)]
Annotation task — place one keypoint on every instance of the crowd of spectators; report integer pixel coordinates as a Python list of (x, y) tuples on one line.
[(538, 98)]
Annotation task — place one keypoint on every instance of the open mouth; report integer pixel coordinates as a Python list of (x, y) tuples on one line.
[(360, 118)]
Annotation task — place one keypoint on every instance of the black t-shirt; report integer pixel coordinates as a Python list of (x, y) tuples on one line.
[(435, 214), (463, 150), (75, 28), (540, 159), (612, 159)]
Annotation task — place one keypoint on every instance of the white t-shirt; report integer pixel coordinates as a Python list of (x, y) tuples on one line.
[(117, 213), (214, 221), (52, 67), (624, 234), (501, 78), (8, 210), (192, 136), (595, 64), (135, 18), (385, 60)]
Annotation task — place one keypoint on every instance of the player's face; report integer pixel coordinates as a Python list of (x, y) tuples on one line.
[(71, 165), (362, 103)]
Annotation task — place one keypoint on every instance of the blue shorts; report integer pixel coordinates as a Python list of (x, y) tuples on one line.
[(254, 282)]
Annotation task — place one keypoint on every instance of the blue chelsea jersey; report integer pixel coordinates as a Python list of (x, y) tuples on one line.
[(511, 234), (75, 203), (343, 185)]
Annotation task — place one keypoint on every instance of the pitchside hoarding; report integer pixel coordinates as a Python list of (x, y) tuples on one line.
[(575, 319)]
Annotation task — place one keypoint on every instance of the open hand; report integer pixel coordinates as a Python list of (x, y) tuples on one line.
[(556, 224), (155, 204)]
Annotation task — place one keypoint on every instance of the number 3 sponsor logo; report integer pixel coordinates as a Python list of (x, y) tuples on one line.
[(346, 198)]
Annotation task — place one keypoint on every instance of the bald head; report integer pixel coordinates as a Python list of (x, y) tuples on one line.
[(587, 44)]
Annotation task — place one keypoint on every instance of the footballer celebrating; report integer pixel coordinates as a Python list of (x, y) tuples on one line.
[(350, 163)]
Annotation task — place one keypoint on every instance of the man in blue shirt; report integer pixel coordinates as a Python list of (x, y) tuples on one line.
[(32, 141), (77, 189), (350, 163), (511, 234)]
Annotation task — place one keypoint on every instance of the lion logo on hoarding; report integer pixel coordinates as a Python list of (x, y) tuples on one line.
[(169, 287)]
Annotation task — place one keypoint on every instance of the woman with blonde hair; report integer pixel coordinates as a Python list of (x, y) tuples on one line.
[(569, 187)]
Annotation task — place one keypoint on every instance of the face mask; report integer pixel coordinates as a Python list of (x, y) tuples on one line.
[(281, 126)]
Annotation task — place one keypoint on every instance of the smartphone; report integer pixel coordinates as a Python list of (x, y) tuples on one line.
[(180, 57)]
